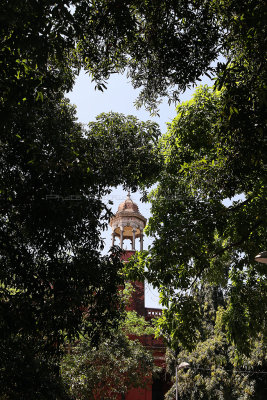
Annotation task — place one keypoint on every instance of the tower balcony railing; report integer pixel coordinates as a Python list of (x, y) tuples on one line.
[(153, 312)]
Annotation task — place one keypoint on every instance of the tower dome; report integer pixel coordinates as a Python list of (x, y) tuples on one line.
[(128, 223)]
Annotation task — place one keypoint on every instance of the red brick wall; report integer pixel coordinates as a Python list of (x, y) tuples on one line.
[(157, 347), (140, 394)]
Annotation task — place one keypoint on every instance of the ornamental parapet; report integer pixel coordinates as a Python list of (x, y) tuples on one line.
[(153, 313)]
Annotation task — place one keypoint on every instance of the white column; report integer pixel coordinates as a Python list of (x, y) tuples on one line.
[(141, 239), (113, 238), (133, 242), (121, 237)]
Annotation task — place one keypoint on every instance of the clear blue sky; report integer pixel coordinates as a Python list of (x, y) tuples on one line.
[(119, 97)]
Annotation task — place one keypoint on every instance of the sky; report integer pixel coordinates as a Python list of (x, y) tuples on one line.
[(119, 97)]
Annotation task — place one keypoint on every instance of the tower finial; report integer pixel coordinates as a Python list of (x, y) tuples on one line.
[(129, 194)]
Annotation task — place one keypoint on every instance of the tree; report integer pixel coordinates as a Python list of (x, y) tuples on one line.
[(52, 183), (123, 150), (50, 249), (215, 150), (215, 369), (199, 235), (116, 365), (52, 217), (44, 43), (165, 47)]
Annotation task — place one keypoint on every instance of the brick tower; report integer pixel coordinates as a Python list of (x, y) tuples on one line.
[(128, 224)]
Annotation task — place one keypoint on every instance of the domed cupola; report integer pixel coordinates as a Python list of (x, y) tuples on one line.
[(128, 223)]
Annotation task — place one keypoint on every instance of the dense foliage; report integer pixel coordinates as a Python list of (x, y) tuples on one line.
[(115, 366), (53, 178), (54, 174), (51, 268), (215, 370), (161, 44), (200, 234), (165, 46)]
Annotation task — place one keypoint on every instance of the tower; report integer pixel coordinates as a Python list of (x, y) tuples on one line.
[(128, 223)]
